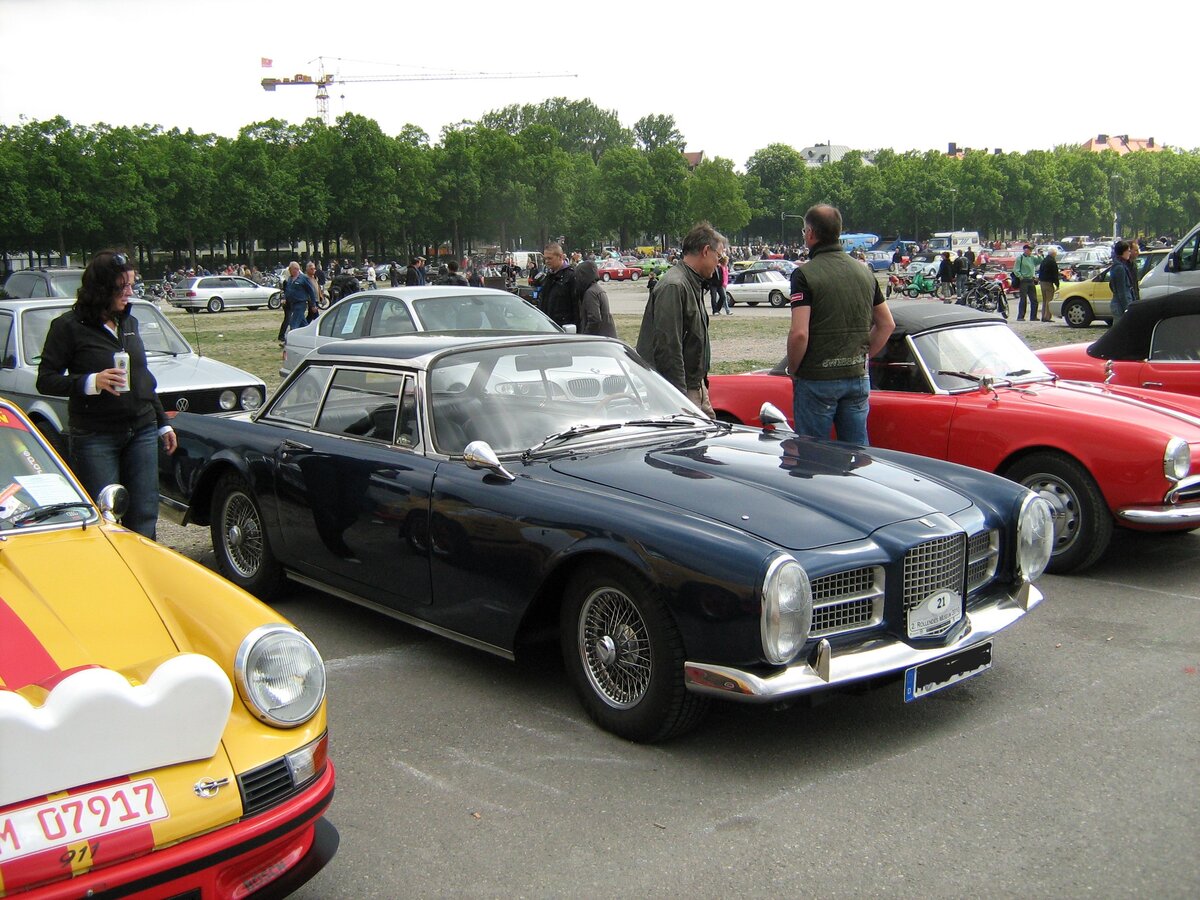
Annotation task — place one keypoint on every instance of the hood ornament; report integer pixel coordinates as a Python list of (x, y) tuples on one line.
[(208, 787)]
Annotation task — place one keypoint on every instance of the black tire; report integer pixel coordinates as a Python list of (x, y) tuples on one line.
[(605, 277), (635, 276), (1083, 525), (215, 305), (240, 543), (275, 301), (624, 656), (777, 299), (911, 292), (1077, 313)]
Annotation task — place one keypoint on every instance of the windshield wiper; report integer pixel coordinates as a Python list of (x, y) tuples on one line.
[(673, 420), (41, 513), (573, 431), (1017, 374)]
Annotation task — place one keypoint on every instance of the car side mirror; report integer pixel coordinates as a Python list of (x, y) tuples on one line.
[(480, 455), (1173, 262), (113, 502), (771, 417), (9, 362), (570, 329)]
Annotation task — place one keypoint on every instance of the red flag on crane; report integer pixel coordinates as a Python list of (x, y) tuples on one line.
[(266, 63)]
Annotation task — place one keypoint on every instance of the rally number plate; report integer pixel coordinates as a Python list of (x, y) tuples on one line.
[(929, 677), (79, 817)]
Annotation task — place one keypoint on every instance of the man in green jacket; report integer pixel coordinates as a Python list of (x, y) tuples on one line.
[(1025, 269), (673, 338)]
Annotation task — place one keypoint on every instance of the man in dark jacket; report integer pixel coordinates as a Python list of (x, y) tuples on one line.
[(416, 272), (556, 294), (451, 275), (673, 338), (1048, 280)]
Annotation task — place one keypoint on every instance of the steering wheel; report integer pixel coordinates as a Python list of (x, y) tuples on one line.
[(604, 406)]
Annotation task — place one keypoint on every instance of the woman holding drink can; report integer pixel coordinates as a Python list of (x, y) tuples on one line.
[(94, 356)]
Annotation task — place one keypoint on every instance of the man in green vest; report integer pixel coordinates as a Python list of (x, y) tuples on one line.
[(839, 321)]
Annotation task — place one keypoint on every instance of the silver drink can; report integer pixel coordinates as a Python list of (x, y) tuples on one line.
[(121, 361)]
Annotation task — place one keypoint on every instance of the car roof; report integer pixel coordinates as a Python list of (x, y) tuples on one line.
[(418, 292), (419, 348), (918, 316), (1129, 337)]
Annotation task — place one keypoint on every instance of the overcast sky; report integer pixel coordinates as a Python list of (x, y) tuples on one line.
[(736, 76)]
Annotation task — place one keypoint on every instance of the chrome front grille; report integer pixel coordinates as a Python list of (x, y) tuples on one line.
[(615, 384), (584, 387), (936, 565), (983, 555), (846, 601)]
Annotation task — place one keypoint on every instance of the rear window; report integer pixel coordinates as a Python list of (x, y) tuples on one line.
[(186, 284), (66, 284)]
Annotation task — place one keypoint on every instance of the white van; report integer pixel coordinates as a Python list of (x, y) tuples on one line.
[(1177, 271), (957, 242), (522, 258)]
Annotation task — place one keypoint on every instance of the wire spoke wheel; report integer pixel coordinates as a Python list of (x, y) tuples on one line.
[(614, 645), (239, 539), (243, 537)]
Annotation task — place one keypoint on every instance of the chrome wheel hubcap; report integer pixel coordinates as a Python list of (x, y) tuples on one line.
[(243, 536), (1064, 507)]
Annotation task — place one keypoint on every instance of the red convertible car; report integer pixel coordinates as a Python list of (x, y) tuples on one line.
[(1156, 344), (957, 384)]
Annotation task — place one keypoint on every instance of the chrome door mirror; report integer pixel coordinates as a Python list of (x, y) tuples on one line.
[(480, 455), (113, 502)]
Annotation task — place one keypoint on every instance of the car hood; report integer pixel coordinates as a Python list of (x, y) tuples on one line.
[(1175, 414), (793, 492), (91, 612), (193, 372)]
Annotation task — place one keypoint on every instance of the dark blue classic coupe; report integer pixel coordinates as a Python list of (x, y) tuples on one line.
[(494, 489)]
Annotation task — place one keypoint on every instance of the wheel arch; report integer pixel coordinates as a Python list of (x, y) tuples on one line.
[(200, 502)]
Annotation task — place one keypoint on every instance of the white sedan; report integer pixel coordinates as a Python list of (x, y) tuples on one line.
[(753, 288), (404, 310)]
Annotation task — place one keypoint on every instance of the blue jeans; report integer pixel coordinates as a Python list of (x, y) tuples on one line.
[(128, 457), (297, 313), (818, 406), (960, 284)]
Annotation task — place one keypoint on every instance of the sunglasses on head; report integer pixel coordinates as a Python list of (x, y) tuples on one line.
[(119, 259)]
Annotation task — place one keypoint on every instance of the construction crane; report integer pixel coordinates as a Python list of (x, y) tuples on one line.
[(324, 79)]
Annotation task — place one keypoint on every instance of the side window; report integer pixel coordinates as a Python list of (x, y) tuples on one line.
[(1176, 339), (408, 432), (8, 349), (362, 404), (346, 319), (391, 317), (1188, 255), (895, 369), (300, 402), (35, 325)]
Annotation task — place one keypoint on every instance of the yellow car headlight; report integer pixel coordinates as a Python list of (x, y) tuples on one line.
[(280, 675)]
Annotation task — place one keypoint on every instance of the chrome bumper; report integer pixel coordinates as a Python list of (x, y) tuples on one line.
[(1181, 516), (882, 656)]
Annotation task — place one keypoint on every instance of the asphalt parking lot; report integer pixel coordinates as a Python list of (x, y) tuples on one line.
[(1069, 769)]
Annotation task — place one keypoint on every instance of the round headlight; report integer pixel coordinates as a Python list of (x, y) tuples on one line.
[(1035, 537), (787, 609), (280, 675), (1177, 459), (251, 398), (228, 400)]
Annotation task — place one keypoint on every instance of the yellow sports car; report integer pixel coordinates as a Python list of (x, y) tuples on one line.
[(1079, 302), (162, 733)]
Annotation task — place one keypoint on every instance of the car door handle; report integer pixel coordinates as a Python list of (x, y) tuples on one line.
[(289, 446), (1152, 384)]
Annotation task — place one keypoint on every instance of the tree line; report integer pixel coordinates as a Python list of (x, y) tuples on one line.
[(525, 174)]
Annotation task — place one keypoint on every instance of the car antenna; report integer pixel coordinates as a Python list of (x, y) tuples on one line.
[(196, 331)]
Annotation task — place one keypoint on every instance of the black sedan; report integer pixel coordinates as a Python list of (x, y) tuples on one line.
[(497, 489)]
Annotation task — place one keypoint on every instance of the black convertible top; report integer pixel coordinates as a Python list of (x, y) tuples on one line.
[(1129, 337)]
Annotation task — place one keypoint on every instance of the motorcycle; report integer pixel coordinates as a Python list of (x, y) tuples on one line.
[(921, 284)]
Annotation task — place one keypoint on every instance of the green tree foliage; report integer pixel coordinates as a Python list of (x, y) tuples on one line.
[(526, 174)]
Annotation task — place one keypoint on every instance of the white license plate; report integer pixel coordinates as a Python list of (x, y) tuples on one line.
[(941, 673), (79, 817), (935, 614)]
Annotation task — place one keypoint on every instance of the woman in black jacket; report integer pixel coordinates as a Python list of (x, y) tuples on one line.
[(94, 356)]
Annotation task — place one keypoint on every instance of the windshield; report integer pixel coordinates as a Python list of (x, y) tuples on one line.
[(33, 488), (938, 244), (515, 397), (66, 284), (973, 352), (159, 336), (471, 312)]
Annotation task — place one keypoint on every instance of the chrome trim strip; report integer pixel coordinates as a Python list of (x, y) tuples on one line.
[(173, 510), (1183, 486), (883, 656), (403, 617), (1162, 515)]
